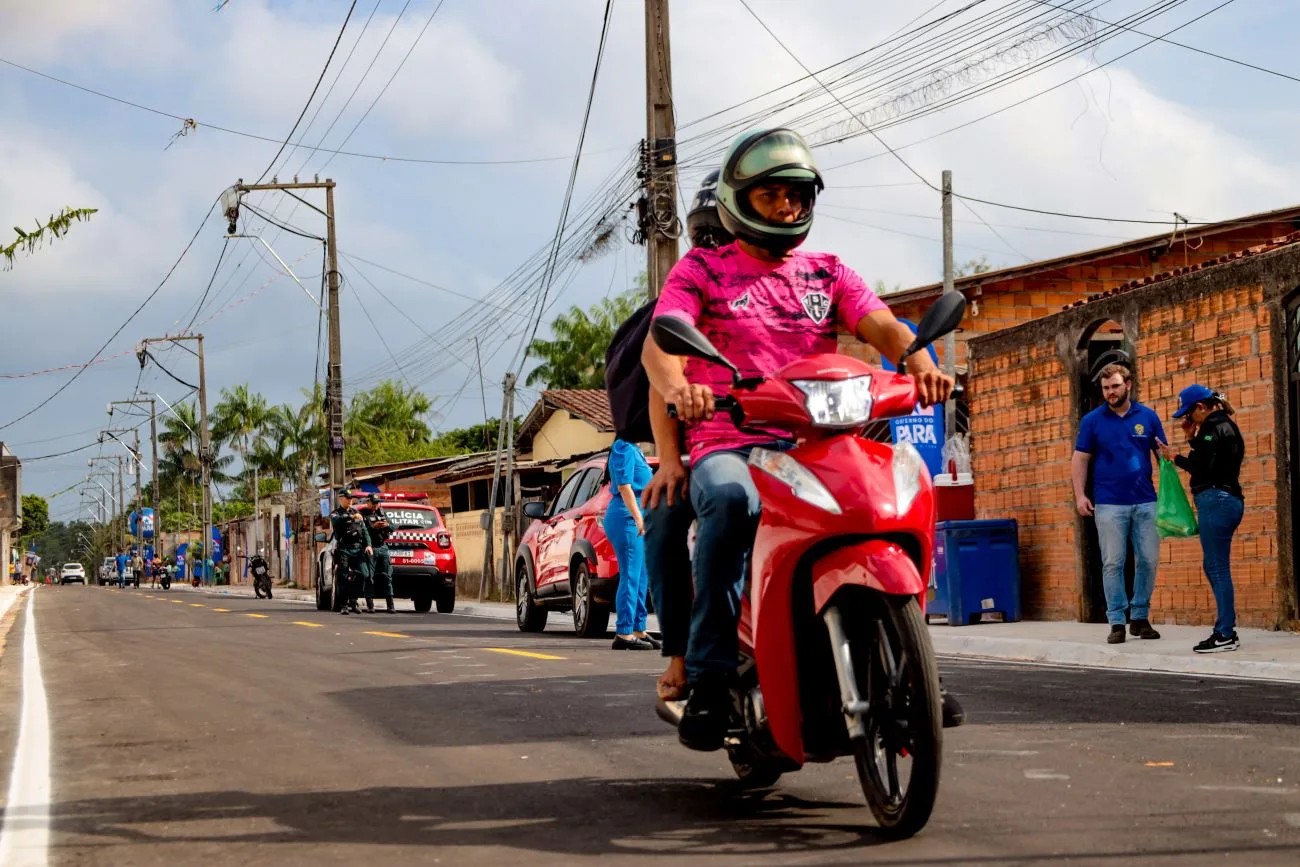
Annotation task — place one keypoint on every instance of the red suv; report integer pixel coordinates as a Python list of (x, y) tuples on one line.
[(565, 563)]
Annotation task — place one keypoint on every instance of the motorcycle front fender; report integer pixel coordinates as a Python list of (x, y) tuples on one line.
[(877, 564)]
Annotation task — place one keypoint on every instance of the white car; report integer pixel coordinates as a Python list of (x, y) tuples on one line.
[(72, 572)]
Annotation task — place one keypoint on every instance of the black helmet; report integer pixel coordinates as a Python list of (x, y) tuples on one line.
[(703, 225), (756, 158)]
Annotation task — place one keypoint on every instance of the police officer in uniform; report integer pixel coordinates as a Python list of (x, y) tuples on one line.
[(352, 551), (377, 524)]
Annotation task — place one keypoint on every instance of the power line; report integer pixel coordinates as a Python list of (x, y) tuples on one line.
[(388, 158), (120, 328), (1180, 44), (203, 299), (568, 193), (319, 79)]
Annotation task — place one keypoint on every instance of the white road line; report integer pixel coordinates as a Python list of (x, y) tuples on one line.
[(25, 835), (1044, 774), (1251, 790)]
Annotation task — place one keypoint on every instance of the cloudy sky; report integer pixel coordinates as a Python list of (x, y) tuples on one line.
[(483, 101)]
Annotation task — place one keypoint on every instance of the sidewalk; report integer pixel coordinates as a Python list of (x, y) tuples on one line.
[(1263, 655)]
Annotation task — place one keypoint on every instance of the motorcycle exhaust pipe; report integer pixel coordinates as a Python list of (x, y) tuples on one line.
[(670, 711)]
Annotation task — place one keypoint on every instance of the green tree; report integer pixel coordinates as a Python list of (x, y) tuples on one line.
[(239, 420), (973, 266), (574, 357), (36, 516)]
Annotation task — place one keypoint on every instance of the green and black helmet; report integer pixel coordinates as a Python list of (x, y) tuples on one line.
[(760, 157)]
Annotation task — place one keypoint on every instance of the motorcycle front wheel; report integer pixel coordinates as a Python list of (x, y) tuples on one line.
[(898, 748)]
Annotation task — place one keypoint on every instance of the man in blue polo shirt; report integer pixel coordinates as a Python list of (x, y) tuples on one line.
[(1121, 437)]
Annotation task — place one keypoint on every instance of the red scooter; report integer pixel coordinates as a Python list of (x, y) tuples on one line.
[(835, 657)]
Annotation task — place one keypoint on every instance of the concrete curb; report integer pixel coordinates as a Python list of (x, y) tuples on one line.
[(1106, 656)]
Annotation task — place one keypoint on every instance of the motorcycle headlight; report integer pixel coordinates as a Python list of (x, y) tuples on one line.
[(908, 467), (803, 484), (840, 403)]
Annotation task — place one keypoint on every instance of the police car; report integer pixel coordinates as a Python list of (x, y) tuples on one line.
[(424, 559)]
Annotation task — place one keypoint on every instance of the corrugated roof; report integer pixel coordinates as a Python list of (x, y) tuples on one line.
[(588, 404), (1282, 215), (1275, 244)]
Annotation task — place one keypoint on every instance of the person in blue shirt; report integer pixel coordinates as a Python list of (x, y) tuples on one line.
[(1119, 439), (120, 561), (625, 528)]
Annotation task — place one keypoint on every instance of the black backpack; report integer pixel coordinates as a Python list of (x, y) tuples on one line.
[(626, 382)]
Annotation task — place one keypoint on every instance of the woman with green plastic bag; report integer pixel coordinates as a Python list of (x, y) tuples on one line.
[(1215, 467)]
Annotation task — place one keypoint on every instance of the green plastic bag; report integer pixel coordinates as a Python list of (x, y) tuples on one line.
[(1174, 514)]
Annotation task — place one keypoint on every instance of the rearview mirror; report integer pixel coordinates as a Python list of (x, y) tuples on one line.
[(942, 318), (678, 337), (535, 510)]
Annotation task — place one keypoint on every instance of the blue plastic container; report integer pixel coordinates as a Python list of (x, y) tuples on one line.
[(976, 571)]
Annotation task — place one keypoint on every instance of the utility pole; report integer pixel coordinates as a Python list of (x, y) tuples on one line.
[(334, 381), (137, 470), (153, 442), (205, 438), (117, 536), (489, 518), (949, 341), (658, 212), (508, 523)]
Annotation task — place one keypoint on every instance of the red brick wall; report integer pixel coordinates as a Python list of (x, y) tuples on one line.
[(1221, 340), (1207, 327), (1022, 440)]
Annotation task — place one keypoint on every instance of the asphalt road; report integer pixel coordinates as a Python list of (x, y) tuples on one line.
[(202, 730)]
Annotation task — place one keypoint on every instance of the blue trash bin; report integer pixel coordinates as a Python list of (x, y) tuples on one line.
[(976, 571)]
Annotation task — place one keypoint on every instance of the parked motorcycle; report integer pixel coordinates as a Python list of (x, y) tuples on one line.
[(165, 578), (261, 578), (835, 656)]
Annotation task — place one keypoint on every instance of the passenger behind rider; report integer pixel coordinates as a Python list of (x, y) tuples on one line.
[(763, 305), (667, 502)]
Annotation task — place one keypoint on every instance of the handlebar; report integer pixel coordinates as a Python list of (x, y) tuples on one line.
[(721, 403)]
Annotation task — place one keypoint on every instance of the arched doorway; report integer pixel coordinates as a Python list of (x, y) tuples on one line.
[(1103, 342)]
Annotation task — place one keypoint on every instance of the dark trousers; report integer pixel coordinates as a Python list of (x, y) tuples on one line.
[(354, 572), (381, 579), (668, 562)]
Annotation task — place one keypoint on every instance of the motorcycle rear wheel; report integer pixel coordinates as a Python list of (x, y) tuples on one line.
[(898, 675)]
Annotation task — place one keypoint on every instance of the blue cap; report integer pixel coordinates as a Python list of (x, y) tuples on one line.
[(1190, 397)]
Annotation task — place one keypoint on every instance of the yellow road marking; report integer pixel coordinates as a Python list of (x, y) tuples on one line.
[(197, 605), (1160, 764), (523, 653), (222, 610), (389, 634), (178, 601), (258, 616), (307, 623)]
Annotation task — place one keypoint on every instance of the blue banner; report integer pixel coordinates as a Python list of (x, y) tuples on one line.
[(142, 523), (924, 427)]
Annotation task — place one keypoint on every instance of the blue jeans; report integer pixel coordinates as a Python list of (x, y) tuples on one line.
[(1116, 526), (629, 548), (1219, 514), (727, 509), (121, 579), (668, 562)]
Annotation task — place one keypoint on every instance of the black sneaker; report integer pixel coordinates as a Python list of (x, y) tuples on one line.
[(344, 611), (390, 609), (370, 607), (1143, 629), (1116, 635), (633, 643), (704, 722), (953, 713), (1217, 643), (652, 641)]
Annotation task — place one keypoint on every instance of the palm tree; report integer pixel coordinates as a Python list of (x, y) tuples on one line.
[(575, 357), (388, 410), (240, 417)]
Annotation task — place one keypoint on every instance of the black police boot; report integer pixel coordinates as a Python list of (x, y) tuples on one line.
[(391, 609), (370, 605)]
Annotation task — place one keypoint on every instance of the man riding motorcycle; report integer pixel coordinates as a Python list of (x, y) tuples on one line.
[(763, 305)]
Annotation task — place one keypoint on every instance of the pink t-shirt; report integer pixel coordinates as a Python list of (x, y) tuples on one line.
[(761, 316)]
